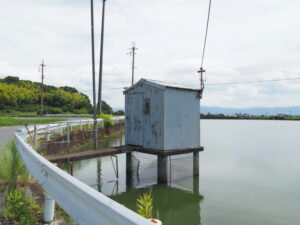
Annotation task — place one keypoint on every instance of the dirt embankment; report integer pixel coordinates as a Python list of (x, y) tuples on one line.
[(78, 138)]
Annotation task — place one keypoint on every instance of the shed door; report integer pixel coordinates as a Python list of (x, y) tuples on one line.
[(134, 119)]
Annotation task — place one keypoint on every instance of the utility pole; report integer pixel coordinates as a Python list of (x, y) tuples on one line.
[(101, 59), (201, 71), (93, 73), (132, 53), (42, 87)]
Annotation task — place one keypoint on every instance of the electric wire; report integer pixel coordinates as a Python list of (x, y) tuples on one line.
[(225, 83), (206, 32)]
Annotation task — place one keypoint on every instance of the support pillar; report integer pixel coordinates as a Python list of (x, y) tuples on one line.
[(49, 207), (162, 169), (129, 168), (196, 163)]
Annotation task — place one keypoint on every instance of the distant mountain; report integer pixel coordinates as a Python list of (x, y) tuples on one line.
[(293, 110)]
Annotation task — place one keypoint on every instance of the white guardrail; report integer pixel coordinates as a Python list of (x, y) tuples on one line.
[(84, 204)]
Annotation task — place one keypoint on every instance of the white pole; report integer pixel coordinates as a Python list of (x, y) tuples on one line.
[(68, 135), (61, 129), (35, 136), (48, 133), (49, 208)]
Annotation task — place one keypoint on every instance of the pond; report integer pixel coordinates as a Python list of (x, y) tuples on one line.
[(249, 174)]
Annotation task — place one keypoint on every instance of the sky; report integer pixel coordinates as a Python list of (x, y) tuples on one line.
[(247, 40)]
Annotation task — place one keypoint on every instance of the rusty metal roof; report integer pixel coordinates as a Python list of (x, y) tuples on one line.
[(162, 85)]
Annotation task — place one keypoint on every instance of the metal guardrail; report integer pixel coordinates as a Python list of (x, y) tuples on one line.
[(84, 204), (69, 115)]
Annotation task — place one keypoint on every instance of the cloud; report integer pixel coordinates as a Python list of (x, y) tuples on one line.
[(246, 41)]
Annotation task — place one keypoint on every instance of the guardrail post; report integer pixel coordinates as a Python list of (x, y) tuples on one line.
[(49, 206), (35, 136), (68, 134), (80, 125), (89, 124), (60, 129), (48, 133)]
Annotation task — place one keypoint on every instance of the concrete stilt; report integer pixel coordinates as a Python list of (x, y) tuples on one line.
[(49, 206), (162, 169), (196, 185), (129, 169), (196, 163)]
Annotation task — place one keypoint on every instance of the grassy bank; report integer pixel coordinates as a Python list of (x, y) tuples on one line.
[(21, 197), (9, 121), (248, 117)]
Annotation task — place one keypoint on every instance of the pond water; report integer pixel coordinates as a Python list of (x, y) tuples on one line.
[(249, 174)]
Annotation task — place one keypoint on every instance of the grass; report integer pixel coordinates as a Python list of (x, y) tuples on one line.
[(293, 118), (12, 168), (9, 121), (18, 114)]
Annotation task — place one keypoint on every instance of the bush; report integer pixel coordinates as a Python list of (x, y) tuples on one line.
[(108, 122), (119, 113), (21, 208)]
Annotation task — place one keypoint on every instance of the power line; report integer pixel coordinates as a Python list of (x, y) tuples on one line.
[(254, 81), (240, 82), (215, 84), (206, 32), (201, 71)]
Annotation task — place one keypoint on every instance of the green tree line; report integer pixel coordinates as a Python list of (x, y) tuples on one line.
[(25, 96)]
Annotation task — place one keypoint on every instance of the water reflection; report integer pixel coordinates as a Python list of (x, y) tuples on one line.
[(176, 201)]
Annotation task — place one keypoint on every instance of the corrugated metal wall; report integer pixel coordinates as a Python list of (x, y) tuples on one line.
[(162, 118), (144, 128), (153, 129), (182, 119)]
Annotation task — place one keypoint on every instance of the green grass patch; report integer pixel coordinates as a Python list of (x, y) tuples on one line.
[(9, 121), (292, 118), (12, 168)]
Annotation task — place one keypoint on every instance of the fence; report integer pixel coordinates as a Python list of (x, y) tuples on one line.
[(84, 204)]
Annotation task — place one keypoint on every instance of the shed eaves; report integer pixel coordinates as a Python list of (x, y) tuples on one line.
[(162, 85)]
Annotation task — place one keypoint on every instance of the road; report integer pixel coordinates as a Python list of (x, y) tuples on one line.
[(7, 134)]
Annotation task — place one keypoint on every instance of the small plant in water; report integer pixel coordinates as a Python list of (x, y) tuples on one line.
[(145, 205)]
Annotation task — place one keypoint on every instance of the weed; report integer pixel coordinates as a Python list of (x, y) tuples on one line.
[(145, 205), (12, 168), (21, 208)]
